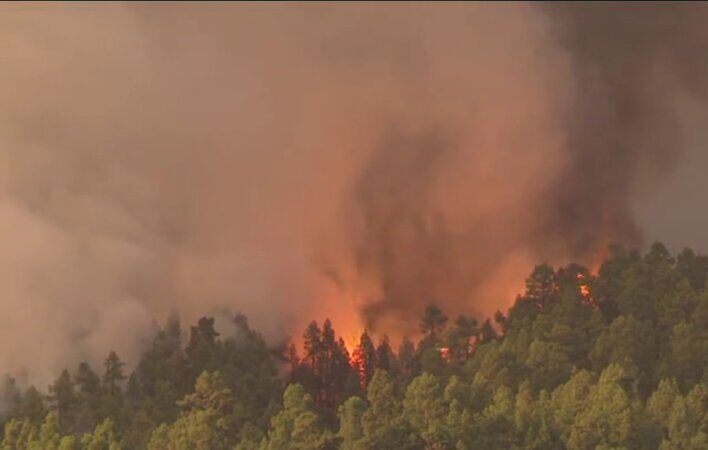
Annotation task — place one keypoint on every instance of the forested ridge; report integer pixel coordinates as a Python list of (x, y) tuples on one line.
[(613, 360)]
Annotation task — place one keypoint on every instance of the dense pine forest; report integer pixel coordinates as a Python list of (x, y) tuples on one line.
[(613, 360)]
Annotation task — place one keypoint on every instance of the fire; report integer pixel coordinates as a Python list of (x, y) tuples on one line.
[(583, 286), (584, 289), (340, 296), (336, 299), (356, 361), (599, 258)]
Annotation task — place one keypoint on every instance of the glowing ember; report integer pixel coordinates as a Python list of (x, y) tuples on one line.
[(445, 353), (584, 289)]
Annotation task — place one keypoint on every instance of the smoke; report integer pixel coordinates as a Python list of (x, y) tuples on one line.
[(351, 161), (626, 68), (629, 66)]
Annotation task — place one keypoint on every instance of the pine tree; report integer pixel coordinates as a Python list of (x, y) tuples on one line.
[(384, 355), (64, 400), (350, 426), (383, 423), (433, 322), (459, 339), (88, 385), (296, 426), (113, 374), (408, 361), (202, 350), (312, 344), (425, 409), (364, 359)]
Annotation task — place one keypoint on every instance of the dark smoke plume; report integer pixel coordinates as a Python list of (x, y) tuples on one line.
[(630, 65), (402, 244)]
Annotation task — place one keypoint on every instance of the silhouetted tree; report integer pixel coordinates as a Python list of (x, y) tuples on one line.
[(364, 359)]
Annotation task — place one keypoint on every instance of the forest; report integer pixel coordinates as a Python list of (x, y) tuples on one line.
[(612, 360)]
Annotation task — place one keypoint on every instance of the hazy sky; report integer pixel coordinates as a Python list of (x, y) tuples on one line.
[(676, 211)]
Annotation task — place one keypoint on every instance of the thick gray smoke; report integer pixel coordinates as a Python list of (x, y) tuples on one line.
[(630, 66), (292, 162)]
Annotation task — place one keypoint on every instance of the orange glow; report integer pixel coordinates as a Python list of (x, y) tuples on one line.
[(341, 296), (584, 289), (599, 258), (356, 361)]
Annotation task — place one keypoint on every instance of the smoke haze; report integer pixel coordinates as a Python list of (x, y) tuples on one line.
[(352, 161), (630, 66)]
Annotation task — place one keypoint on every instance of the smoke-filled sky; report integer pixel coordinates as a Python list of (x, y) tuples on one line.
[(356, 161)]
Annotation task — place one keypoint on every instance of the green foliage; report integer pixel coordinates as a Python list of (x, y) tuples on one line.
[(49, 433), (549, 363), (608, 417), (459, 339), (425, 409), (350, 425), (297, 426), (383, 424), (64, 400), (88, 386), (205, 422), (616, 360), (113, 374), (103, 437), (19, 434)]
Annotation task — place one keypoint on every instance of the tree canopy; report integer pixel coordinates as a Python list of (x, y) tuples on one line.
[(613, 360)]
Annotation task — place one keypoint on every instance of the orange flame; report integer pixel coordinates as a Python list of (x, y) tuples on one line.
[(584, 289)]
